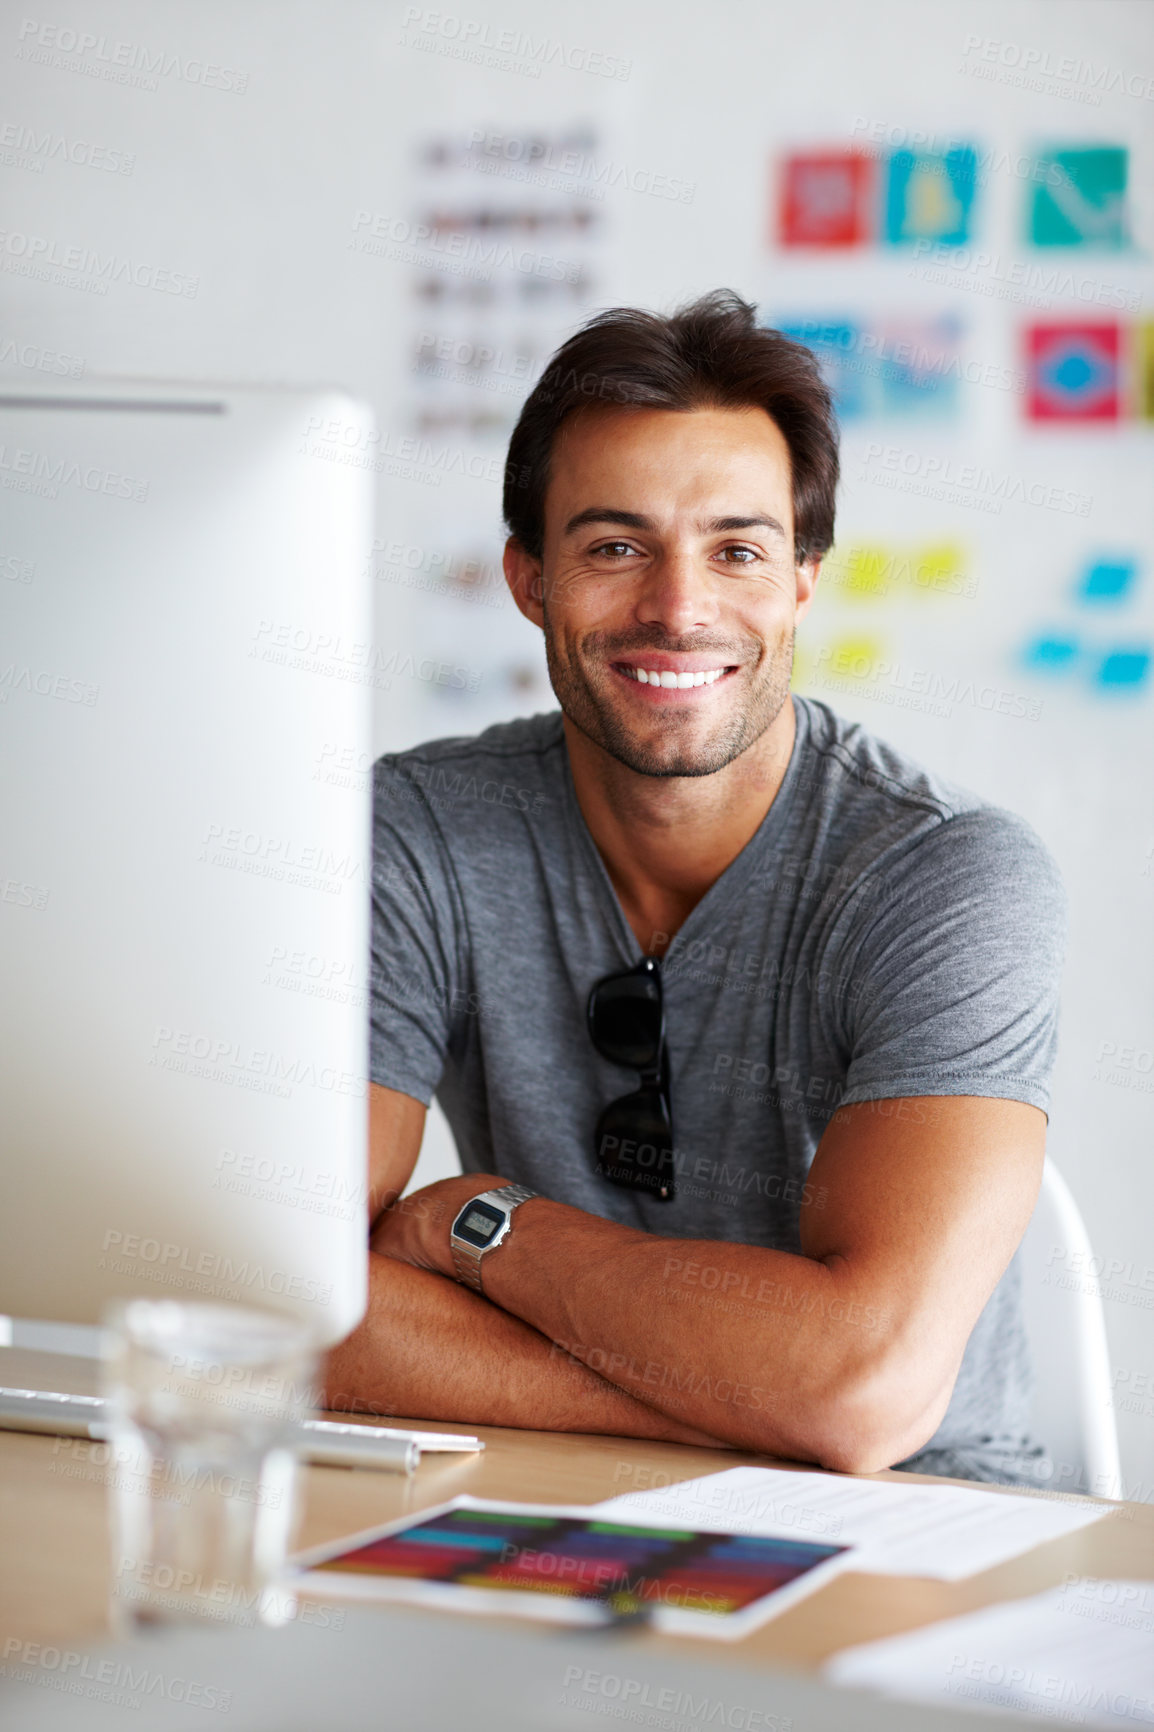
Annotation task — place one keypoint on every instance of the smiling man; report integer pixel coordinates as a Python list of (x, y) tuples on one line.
[(743, 1022)]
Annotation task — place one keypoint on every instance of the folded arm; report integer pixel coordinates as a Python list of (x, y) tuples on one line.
[(431, 1349), (844, 1355)]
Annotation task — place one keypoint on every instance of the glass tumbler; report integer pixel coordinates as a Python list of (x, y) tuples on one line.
[(204, 1407)]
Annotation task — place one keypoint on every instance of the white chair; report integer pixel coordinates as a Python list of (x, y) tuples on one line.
[(1073, 1416)]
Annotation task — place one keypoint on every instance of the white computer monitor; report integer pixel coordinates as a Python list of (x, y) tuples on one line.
[(184, 890)]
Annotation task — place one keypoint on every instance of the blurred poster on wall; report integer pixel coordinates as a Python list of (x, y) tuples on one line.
[(505, 248)]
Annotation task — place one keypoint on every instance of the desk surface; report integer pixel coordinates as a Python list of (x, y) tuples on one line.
[(54, 1545)]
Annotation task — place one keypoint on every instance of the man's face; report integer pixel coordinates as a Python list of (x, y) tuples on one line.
[(668, 592)]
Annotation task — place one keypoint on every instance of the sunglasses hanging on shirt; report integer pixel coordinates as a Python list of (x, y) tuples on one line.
[(633, 1142)]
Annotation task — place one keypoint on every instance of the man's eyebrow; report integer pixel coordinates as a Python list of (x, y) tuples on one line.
[(722, 525), (635, 520), (608, 514)]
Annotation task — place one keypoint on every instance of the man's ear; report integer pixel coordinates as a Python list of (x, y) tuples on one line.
[(808, 572), (523, 575)]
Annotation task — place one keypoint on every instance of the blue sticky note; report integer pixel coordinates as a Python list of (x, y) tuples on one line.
[(1108, 580), (1124, 668), (1051, 654)]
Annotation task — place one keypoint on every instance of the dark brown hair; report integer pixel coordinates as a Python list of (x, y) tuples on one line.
[(709, 354)]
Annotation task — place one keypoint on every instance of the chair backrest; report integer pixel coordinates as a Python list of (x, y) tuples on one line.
[(1073, 1413)]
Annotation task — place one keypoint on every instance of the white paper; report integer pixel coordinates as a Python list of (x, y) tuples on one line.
[(900, 1529), (1081, 1654)]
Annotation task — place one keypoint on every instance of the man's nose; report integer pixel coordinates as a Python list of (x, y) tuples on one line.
[(678, 593)]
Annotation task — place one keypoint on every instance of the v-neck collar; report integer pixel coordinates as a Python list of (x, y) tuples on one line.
[(729, 881)]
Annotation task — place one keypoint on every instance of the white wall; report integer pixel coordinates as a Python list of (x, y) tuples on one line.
[(254, 193)]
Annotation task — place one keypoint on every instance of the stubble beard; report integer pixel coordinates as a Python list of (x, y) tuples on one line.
[(589, 705)]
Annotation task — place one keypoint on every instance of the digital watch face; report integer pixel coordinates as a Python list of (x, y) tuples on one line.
[(478, 1224)]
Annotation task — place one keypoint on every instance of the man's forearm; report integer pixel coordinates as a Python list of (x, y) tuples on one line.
[(790, 1355), (431, 1349), (743, 1340), (757, 1371)]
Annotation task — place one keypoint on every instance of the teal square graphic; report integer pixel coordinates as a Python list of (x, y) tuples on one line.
[(930, 196), (1079, 198)]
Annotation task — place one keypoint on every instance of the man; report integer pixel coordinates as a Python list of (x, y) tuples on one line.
[(833, 974)]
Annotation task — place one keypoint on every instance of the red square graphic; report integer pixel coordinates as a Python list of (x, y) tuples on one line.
[(827, 199), (1073, 371)]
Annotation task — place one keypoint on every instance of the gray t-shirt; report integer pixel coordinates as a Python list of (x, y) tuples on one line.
[(884, 934)]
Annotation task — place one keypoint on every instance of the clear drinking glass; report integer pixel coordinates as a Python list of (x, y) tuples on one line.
[(204, 1406)]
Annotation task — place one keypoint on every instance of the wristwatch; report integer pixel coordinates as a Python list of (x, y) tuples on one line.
[(483, 1224)]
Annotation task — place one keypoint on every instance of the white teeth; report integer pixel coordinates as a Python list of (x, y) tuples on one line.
[(680, 682)]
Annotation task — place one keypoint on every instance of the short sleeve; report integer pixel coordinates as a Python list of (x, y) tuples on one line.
[(953, 987), (414, 979)]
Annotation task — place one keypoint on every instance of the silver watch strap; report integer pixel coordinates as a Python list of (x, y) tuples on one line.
[(467, 1259)]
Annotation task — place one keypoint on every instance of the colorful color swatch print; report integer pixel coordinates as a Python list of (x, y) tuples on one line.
[(1073, 372), (827, 199), (930, 196), (1079, 198), (626, 1568)]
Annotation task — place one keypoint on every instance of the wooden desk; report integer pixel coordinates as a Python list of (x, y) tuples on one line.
[(54, 1539)]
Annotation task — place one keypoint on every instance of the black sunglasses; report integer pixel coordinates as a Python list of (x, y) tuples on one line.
[(633, 1142)]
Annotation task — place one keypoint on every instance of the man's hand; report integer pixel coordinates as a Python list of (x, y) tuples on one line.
[(415, 1229)]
